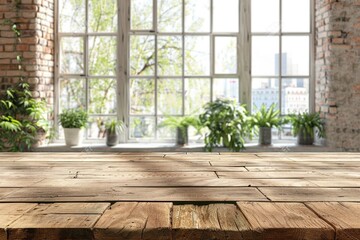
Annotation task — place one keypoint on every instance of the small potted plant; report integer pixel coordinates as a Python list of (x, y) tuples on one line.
[(113, 130), (305, 125), (182, 124), (73, 121), (264, 120), (228, 123)]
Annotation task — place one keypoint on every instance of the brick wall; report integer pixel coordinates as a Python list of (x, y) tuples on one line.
[(338, 71), (35, 20)]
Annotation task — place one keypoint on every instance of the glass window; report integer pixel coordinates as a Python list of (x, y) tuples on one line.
[(176, 56), (291, 65), (176, 67), (265, 16), (142, 14), (225, 55), (88, 60), (197, 15), (296, 16), (226, 16)]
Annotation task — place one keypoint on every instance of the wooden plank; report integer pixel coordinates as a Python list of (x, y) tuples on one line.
[(135, 221), (70, 208), (10, 212), (19, 182), (276, 175), (52, 227), (336, 182), (290, 221), (156, 194), (345, 217), (287, 194), (6, 191), (15, 208), (214, 221), (174, 182)]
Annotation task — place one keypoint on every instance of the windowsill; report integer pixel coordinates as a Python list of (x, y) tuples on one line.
[(277, 146)]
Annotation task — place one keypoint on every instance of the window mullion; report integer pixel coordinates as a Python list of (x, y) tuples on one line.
[(244, 55)]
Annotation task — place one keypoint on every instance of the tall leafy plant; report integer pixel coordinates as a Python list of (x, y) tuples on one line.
[(20, 118), (307, 123), (228, 123), (267, 117)]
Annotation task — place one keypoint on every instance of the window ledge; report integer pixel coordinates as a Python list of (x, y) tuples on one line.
[(277, 146)]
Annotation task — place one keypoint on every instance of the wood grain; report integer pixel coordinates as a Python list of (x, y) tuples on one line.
[(215, 221), (290, 221), (345, 217), (133, 221), (286, 194)]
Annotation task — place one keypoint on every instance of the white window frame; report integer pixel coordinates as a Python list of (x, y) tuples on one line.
[(244, 76)]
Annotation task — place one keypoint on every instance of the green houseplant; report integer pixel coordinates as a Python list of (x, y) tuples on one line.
[(228, 123), (305, 125), (21, 116), (113, 130), (264, 119), (73, 121), (181, 125)]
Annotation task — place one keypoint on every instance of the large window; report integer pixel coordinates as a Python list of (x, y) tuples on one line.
[(142, 61), (87, 72), (182, 55), (281, 37)]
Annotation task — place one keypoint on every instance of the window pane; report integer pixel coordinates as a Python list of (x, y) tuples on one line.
[(102, 56), (226, 15), (142, 55), (72, 55), (295, 95), (141, 14), (265, 55), (265, 15), (142, 96), (71, 16), (197, 16), (165, 132), (102, 96), (72, 94), (197, 93), (102, 16), (265, 91), (169, 55), (295, 55), (226, 89), (296, 15), (197, 55), (225, 55), (142, 127), (96, 127), (169, 96), (169, 15)]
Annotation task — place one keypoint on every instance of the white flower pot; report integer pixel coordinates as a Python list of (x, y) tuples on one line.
[(73, 136)]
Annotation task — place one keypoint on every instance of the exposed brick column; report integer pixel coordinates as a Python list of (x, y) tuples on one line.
[(338, 71), (35, 20)]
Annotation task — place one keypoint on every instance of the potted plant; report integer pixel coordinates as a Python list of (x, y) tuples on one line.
[(73, 121), (228, 123), (113, 130), (264, 119), (304, 125), (181, 125)]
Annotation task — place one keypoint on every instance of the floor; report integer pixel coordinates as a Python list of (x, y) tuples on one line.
[(205, 196)]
